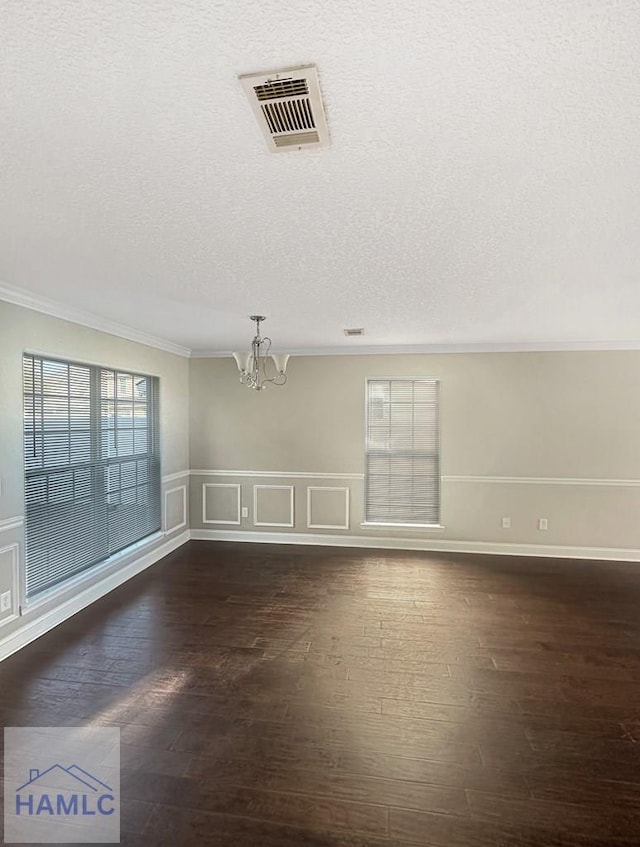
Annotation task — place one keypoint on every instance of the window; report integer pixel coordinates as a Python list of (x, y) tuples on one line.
[(92, 466), (402, 474)]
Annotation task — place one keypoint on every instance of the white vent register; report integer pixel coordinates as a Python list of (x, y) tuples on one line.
[(288, 107)]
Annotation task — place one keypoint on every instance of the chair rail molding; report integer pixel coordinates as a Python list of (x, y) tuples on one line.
[(276, 474), (11, 523), (544, 480)]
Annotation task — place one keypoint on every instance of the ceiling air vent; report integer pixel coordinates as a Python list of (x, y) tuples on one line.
[(288, 107), (352, 332)]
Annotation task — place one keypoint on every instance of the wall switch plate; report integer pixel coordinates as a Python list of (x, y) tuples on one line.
[(543, 523), (506, 523), (5, 602), (245, 511)]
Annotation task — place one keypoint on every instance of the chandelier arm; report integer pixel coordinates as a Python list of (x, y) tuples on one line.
[(278, 379)]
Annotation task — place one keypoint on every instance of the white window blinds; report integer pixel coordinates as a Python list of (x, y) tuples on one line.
[(92, 466), (402, 479)]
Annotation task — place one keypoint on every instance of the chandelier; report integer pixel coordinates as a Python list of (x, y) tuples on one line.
[(259, 368)]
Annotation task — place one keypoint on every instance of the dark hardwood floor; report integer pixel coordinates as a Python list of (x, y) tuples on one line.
[(278, 695)]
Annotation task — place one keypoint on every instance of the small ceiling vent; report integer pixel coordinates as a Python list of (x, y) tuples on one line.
[(352, 332), (288, 107)]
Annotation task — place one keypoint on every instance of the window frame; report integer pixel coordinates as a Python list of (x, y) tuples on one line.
[(105, 566), (428, 527)]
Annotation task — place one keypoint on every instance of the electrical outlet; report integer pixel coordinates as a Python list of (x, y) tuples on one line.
[(506, 523), (245, 511), (543, 523), (5, 601)]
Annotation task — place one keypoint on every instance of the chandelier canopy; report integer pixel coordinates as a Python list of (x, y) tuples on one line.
[(259, 368)]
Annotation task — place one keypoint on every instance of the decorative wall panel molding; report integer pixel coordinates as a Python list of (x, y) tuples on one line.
[(11, 550), (261, 502), (180, 492), (231, 494), (320, 497)]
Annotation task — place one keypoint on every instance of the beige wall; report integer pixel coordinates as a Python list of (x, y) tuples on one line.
[(522, 416), (27, 330)]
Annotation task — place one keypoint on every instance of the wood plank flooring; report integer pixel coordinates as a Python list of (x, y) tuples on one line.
[(277, 695)]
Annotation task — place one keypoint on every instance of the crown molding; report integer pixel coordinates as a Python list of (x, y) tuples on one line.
[(54, 309), (433, 349)]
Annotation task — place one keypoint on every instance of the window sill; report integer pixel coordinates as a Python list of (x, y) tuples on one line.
[(431, 527), (91, 575)]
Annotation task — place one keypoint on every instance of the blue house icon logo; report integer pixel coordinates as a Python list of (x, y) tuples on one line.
[(64, 792), (61, 785)]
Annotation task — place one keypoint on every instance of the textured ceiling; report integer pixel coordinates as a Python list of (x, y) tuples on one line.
[(482, 184)]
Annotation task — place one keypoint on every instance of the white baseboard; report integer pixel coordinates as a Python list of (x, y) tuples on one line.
[(42, 624), (616, 554)]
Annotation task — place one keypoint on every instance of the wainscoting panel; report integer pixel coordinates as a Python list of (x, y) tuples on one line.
[(327, 507), (9, 580), (581, 514), (273, 505), (175, 509), (221, 503)]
